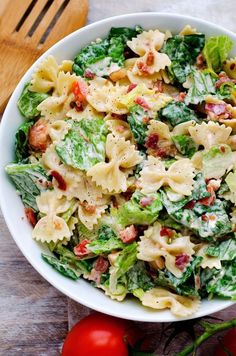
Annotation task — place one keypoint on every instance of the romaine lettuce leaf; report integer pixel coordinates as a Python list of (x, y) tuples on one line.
[(28, 102), (217, 160), (30, 180), (67, 256), (185, 145), (61, 267), (106, 242), (21, 141), (137, 124), (132, 211), (225, 250), (216, 50), (183, 51), (176, 113), (84, 144), (125, 260), (220, 282), (137, 277)]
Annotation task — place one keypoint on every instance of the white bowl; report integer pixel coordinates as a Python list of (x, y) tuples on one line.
[(12, 207)]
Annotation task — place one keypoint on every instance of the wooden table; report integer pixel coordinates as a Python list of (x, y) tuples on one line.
[(34, 316)]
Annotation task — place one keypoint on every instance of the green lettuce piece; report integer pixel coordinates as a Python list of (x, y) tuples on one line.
[(61, 267), (183, 51), (85, 233), (225, 250), (222, 282), (67, 256), (217, 160), (216, 51), (133, 213), (231, 181), (111, 49), (106, 242), (137, 277), (176, 113), (21, 141), (184, 285), (70, 211), (84, 144), (137, 125), (185, 145), (202, 84), (28, 102), (125, 260), (30, 180)]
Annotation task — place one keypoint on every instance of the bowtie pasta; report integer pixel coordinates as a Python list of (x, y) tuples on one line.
[(126, 165)]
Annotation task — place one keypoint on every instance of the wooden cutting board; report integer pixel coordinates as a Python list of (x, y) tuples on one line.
[(27, 29)]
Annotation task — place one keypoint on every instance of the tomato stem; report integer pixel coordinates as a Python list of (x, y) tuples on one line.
[(209, 330)]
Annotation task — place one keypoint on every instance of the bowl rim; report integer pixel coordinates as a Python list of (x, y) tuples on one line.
[(27, 254)]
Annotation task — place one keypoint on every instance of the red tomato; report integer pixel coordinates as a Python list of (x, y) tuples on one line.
[(227, 346), (99, 335)]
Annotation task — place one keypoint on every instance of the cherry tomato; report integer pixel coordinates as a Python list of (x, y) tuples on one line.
[(227, 345), (99, 335)]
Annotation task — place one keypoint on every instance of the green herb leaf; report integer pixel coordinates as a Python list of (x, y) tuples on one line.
[(216, 51), (28, 102), (84, 145)]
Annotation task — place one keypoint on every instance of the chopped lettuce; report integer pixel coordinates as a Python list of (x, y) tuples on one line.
[(183, 51), (225, 250), (70, 211), (28, 102), (132, 211), (61, 267), (106, 242), (216, 51), (30, 180), (84, 145), (176, 113), (137, 124), (67, 256), (222, 282), (231, 181), (111, 49), (185, 145), (217, 160), (184, 285), (138, 277), (21, 141), (123, 263)]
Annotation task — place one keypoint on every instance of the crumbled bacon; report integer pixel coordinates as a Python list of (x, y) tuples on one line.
[(129, 234), (101, 264), (143, 67), (119, 116), (131, 87), (146, 120), (200, 61), (81, 250), (159, 86), (190, 205), (142, 102), (152, 141), (88, 74), (38, 136), (146, 201), (217, 109), (208, 200), (150, 59), (205, 218), (79, 90), (181, 96), (95, 276), (60, 180), (232, 66), (214, 183), (222, 148), (223, 78), (31, 216), (181, 261), (165, 231)]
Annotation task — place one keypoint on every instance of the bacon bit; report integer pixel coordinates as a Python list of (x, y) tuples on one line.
[(232, 66), (129, 234), (217, 109), (214, 183), (208, 200), (31, 216), (190, 205), (181, 261), (101, 264), (205, 218), (38, 136), (160, 152), (152, 141), (80, 93), (95, 276), (222, 148), (159, 86), (81, 250), (131, 87), (165, 231), (119, 116), (142, 102), (181, 96), (146, 201), (223, 78), (146, 120), (88, 74), (143, 67), (60, 180), (200, 61), (120, 128), (150, 59), (89, 208), (197, 280)]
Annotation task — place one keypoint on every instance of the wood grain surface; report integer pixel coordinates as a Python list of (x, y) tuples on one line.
[(34, 316)]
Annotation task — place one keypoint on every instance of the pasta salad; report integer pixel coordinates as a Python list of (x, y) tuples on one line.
[(126, 165)]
